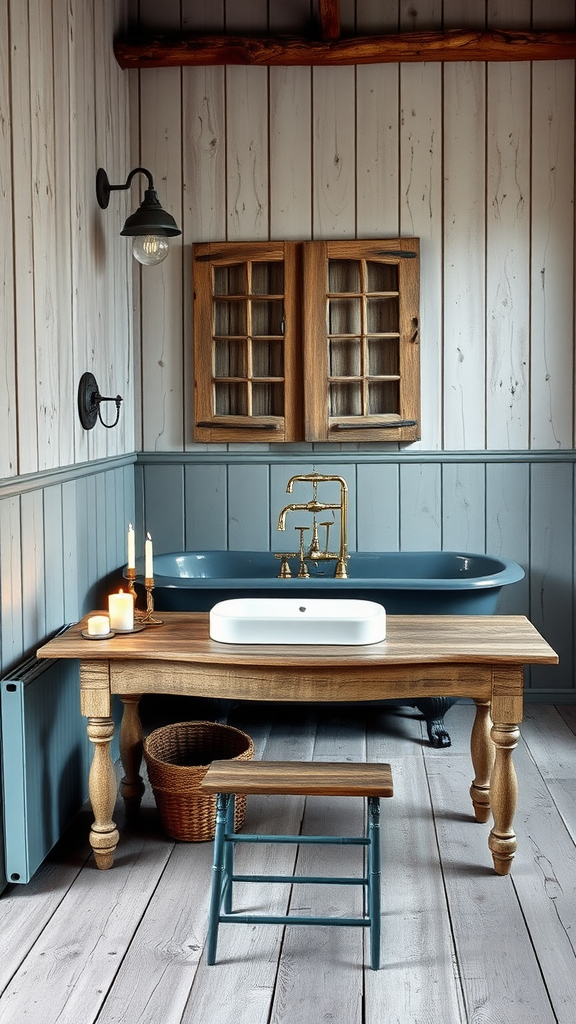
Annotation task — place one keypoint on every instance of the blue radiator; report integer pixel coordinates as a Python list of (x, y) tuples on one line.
[(45, 760)]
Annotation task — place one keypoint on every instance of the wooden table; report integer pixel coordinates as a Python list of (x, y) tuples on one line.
[(481, 657)]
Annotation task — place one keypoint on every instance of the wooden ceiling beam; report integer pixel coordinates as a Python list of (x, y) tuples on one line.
[(452, 45), (329, 11)]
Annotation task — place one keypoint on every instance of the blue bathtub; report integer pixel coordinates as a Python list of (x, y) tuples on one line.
[(405, 582)]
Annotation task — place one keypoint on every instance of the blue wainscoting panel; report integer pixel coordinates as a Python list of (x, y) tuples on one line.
[(45, 760)]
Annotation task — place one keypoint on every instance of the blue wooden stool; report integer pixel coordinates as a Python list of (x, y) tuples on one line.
[(300, 778)]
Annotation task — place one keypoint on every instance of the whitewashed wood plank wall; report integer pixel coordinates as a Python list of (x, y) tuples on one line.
[(475, 159), (65, 308)]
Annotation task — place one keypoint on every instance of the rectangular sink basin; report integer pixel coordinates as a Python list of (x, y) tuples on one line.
[(252, 620)]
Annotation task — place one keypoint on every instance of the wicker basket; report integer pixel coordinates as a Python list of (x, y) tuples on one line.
[(178, 757)]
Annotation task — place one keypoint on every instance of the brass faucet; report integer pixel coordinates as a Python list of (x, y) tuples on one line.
[(315, 553)]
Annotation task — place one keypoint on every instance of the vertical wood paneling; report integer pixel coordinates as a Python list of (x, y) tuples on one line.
[(8, 462), (78, 549), (33, 582), (11, 644), (164, 508), (552, 353), (508, 526), (421, 217), (52, 572), (161, 292), (248, 507), (24, 326), (206, 517), (44, 212), (62, 264), (377, 164), (290, 153), (377, 507), (162, 379), (247, 153), (334, 213), (508, 244), (464, 256), (463, 507), (420, 507), (92, 229), (552, 563)]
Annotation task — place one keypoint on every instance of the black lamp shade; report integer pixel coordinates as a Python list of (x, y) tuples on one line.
[(150, 219)]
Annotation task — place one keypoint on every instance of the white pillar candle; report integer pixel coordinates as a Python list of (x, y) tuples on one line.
[(148, 558), (131, 548), (121, 609), (98, 625)]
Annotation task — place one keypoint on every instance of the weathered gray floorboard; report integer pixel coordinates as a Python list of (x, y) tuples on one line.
[(459, 944), (26, 909), (417, 981), (544, 877), (494, 951), (320, 966), (239, 988)]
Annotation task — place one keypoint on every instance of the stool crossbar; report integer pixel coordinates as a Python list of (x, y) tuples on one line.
[(302, 778)]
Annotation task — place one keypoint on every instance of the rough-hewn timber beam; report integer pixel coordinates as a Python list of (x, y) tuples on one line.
[(329, 18), (453, 45)]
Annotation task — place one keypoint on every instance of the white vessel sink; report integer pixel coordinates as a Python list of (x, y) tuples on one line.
[(252, 620)]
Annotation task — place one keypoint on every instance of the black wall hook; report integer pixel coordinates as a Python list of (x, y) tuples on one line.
[(89, 399)]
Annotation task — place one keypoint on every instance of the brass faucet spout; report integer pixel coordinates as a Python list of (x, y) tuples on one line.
[(315, 506)]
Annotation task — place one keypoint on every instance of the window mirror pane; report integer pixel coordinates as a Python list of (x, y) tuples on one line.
[(229, 318), (231, 280), (268, 278), (267, 317), (383, 397), (230, 399), (344, 316), (345, 399), (343, 275), (267, 359), (267, 400), (382, 316), (229, 358), (383, 357), (345, 357), (381, 277)]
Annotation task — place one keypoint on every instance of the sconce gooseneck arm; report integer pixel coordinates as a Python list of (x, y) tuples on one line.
[(137, 170), (104, 188)]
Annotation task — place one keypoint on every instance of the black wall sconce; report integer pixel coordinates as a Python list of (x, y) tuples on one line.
[(89, 399), (150, 226)]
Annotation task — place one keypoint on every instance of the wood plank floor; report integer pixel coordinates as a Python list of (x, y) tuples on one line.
[(460, 945)]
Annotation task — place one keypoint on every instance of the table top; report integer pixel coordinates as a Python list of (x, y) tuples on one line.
[(411, 639)]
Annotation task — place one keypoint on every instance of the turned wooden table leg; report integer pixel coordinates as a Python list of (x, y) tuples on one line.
[(503, 796), (102, 785), (132, 785), (482, 751)]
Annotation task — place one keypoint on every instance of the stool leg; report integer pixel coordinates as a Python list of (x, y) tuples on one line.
[(222, 802), (229, 854), (374, 879)]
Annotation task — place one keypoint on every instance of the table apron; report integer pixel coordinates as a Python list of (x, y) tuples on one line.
[(324, 682)]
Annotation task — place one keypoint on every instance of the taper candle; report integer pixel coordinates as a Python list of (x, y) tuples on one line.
[(148, 558), (131, 547), (121, 609)]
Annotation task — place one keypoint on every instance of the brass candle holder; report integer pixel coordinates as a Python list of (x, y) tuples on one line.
[(149, 619), (130, 575)]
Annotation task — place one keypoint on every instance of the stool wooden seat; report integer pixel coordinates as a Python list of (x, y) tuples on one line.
[(300, 778)]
